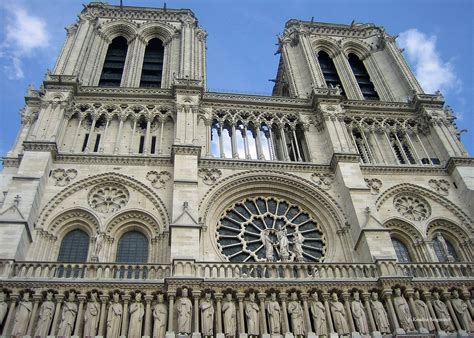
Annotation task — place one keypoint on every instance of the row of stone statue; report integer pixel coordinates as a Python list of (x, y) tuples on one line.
[(222, 315)]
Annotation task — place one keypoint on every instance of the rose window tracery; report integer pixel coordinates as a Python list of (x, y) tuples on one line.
[(108, 198), (268, 229), (412, 207)]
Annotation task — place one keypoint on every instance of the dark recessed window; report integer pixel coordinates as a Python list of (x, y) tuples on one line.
[(363, 79), (132, 248), (403, 255), (329, 70), (441, 253), (114, 63), (152, 64), (74, 247)]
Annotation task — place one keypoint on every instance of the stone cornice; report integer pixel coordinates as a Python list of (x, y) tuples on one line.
[(454, 162), (114, 159), (404, 170), (358, 30), (343, 157), (11, 162), (213, 97), (41, 146), (367, 105), (178, 149), (270, 165), (126, 92)]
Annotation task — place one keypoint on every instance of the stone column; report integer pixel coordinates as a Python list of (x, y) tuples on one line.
[(258, 143), (104, 136), (307, 318), (80, 118), (447, 296), (467, 296), (218, 297), (91, 132), (103, 314), (36, 300), (246, 143), (80, 315), (57, 314), (119, 134), (368, 310), (328, 313), (286, 327), (126, 300), (147, 135), (347, 305), (261, 297), (171, 296), (240, 299), (196, 295), (411, 303), (10, 317), (427, 295), (235, 153), (148, 300), (387, 294), (132, 139)]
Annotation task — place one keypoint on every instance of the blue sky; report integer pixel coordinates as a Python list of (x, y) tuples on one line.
[(437, 37)]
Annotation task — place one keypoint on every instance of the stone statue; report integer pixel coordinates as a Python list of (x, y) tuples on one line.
[(230, 316), (298, 240), (318, 312), (423, 313), (251, 313), (403, 311), (114, 317), (22, 316), (442, 312), (160, 315), (68, 316), (207, 315), (46, 314), (338, 315), (296, 315), (442, 241), (462, 312), (380, 315), (99, 243), (358, 312), (274, 315), (184, 308), (91, 316), (136, 317), (283, 244), (3, 306), (268, 246)]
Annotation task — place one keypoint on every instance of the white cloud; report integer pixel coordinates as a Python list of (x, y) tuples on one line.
[(432, 72), (24, 35)]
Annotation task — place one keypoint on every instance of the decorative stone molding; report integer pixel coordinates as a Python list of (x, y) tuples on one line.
[(264, 165), (122, 160), (40, 146), (440, 186), (186, 150), (108, 198), (412, 207), (158, 179), (323, 181), (209, 176), (374, 184), (63, 177)]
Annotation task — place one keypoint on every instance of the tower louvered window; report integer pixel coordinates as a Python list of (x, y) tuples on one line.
[(152, 64), (114, 63), (329, 70), (363, 79)]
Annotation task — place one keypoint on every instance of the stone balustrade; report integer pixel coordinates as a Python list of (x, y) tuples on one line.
[(223, 270)]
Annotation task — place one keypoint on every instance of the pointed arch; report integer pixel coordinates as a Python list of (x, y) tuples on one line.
[(327, 45), (357, 47), (160, 30), (113, 29)]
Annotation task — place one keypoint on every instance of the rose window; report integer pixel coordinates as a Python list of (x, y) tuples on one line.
[(108, 198), (268, 229), (412, 207)]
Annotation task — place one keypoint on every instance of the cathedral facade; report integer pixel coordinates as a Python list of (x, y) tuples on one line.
[(138, 203)]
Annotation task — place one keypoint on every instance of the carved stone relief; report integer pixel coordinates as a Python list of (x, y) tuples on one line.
[(440, 186), (63, 177), (412, 207), (374, 184), (324, 181), (107, 198), (209, 176), (158, 179)]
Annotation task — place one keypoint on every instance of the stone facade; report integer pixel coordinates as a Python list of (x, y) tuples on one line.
[(314, 211)]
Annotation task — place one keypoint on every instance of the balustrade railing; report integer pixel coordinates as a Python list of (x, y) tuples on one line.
[(10, 269)]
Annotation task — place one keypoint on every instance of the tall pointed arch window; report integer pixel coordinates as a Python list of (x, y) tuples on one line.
[(114, 63), (152, 69), (329, 70), (132, 248), (401, 148), (401, 250), (74, 247), (362, 77)]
